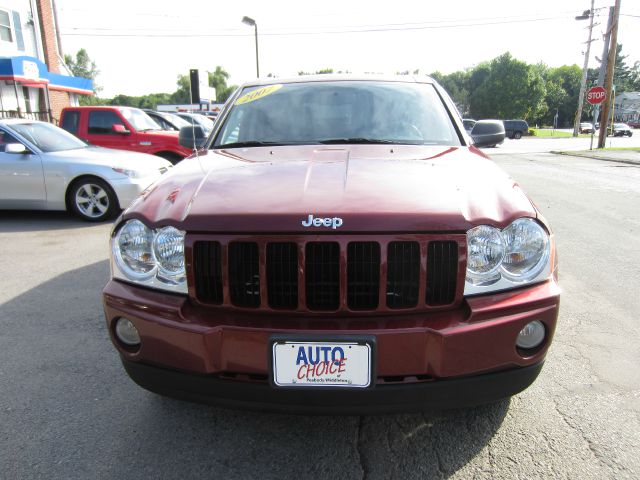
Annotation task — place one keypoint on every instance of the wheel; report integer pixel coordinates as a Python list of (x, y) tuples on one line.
[(172, 157), (517, 135), (92, 200)]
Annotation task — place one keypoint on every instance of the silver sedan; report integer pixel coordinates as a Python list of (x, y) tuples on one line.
[(43, 167)]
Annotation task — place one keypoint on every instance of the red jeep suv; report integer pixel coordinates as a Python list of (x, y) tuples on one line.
[(340, 246), (124, 128)]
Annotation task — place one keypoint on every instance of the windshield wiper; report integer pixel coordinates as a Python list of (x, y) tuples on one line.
[(362, 140), (252, 143)]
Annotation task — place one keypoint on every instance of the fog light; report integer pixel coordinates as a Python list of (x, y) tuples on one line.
[(127, 333), (531, 335)]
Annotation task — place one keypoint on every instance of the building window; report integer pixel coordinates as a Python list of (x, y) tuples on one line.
[(27, 99), (5, 27)]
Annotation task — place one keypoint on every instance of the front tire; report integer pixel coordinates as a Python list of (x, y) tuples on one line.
[(92, 200), (517, 135)]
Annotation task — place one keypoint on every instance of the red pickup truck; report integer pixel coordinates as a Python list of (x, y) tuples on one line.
[(124, 128)]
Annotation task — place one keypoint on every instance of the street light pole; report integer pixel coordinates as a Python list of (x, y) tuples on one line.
[(583, 84), (252, 23)]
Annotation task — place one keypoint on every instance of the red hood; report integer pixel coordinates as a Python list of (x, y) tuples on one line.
[(371, 188)]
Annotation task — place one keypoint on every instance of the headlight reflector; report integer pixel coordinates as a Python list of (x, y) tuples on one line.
[(526, 247), (168, 248), (133, 250), (486, 249)]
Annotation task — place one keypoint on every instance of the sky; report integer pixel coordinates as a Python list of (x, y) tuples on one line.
[(141, 46)]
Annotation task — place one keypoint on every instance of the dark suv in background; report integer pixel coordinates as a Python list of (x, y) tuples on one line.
[(515, 128)]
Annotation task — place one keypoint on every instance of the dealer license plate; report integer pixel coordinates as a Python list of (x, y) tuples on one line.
[(321, 364)]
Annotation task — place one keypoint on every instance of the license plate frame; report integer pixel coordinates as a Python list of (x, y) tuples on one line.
[(364, 344)]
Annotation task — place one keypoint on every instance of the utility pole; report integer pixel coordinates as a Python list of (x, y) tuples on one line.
[(603, 68), (585, 70), (608, 81)]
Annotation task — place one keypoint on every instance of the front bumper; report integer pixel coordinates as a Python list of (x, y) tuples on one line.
[(452, 393), (446, 359), (128, 189)]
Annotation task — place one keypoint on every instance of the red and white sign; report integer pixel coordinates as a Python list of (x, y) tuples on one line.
[(596, 95)]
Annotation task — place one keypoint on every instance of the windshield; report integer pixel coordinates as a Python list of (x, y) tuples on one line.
[(338, 112), (177, 121), (201, 120), (47, 137), (139, 120)]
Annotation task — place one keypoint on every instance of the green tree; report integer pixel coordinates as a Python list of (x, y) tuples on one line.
[(457, 85), (563, 89), (183, 94), (83, 66), (625, 78), (218, 80), (510, 89)]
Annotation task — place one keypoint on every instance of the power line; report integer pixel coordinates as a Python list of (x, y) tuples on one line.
[(299, 33)]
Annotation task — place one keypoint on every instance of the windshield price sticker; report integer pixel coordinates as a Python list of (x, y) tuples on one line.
[(321, 364), (258, 94)]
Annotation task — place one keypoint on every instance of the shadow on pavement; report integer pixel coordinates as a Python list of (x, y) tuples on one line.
[(69, 411), (35, 220)]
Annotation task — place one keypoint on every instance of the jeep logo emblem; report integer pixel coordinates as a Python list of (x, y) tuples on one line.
[(334, 222)]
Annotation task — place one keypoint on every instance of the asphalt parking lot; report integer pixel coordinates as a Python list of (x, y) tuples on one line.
[(67, 409)]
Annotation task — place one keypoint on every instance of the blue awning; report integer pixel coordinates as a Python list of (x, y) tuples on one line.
[(31, 71)]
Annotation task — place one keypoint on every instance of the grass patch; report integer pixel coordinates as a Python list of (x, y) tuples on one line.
[(550, 133), (613, 149)]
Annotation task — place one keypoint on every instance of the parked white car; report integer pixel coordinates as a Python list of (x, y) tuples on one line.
[(43, 167)]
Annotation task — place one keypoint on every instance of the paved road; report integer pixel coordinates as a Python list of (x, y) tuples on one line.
[(539, 145), (67, 410)]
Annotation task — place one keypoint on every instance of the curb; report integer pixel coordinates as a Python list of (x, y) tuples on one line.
[(596, 157)]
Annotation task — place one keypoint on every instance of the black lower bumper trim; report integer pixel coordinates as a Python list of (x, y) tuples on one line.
[(451, 393)]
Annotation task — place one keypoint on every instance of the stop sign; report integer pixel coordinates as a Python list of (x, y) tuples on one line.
[(596, 95)]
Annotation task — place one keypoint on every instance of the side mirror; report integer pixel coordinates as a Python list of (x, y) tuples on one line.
[(192, 137), (16, 148), (120, 129), (487, 133)]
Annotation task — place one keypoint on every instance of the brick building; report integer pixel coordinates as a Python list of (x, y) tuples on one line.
[(34, 81)]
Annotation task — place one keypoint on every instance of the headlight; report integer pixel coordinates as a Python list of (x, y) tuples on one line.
[(168, 248), (527, 248), (502, 259), (130, 173), (485, 246), (151, 258), (132, 249)]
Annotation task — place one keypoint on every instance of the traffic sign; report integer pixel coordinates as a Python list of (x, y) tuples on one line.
[(596, 95)]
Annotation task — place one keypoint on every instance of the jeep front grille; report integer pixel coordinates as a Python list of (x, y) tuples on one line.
[(347, 273)]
